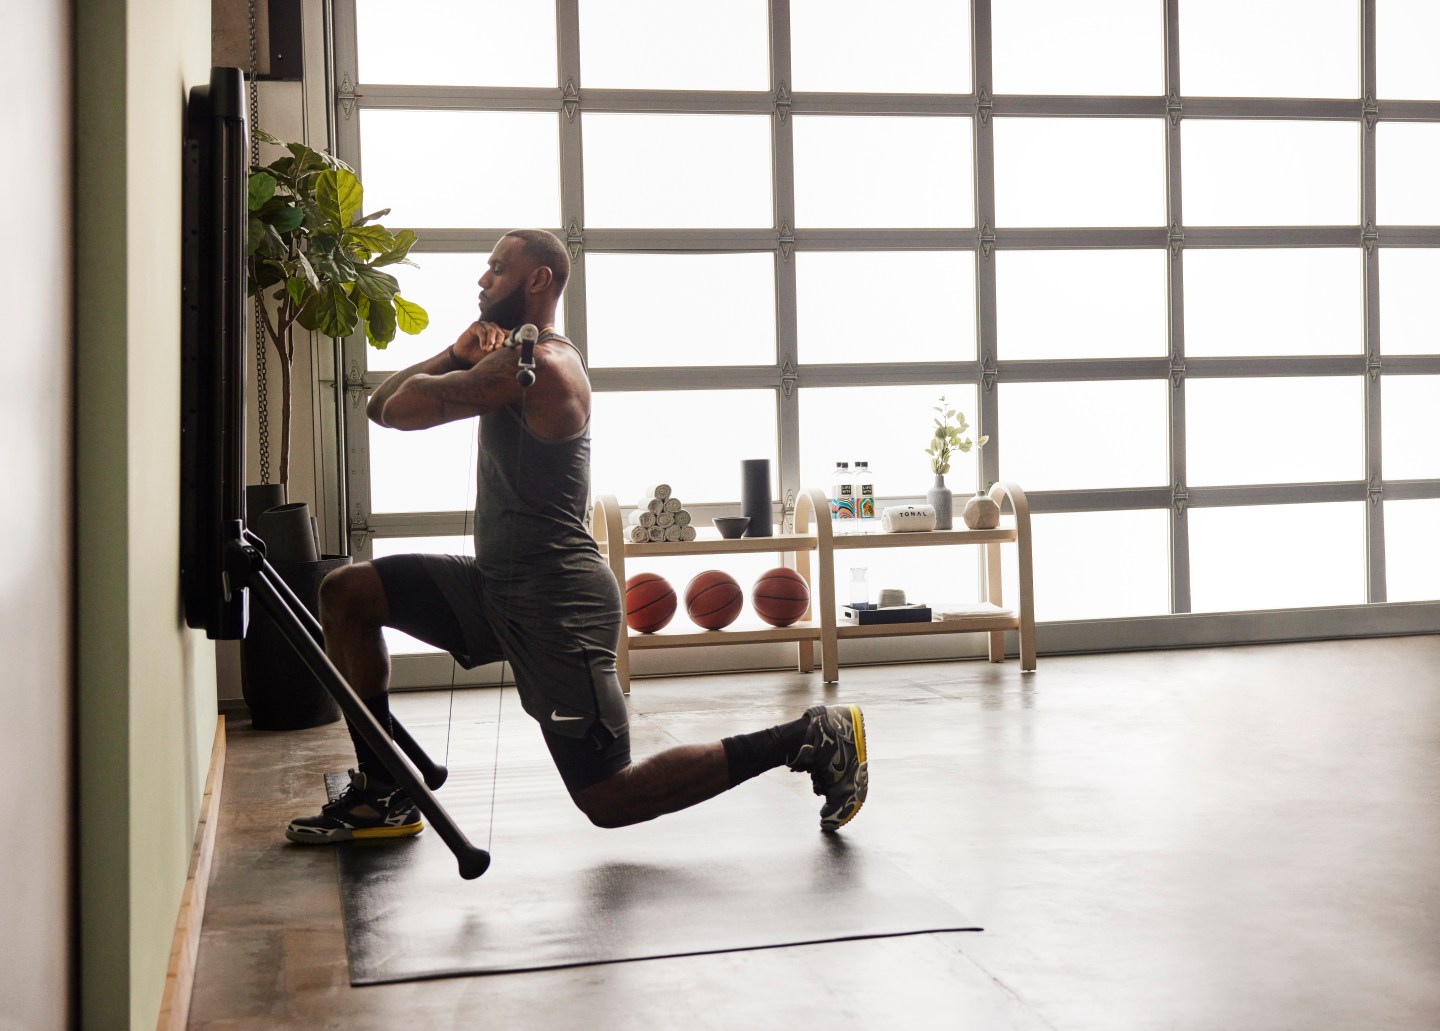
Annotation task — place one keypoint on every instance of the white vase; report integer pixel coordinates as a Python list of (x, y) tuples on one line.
[(940, 498), (981, 512)]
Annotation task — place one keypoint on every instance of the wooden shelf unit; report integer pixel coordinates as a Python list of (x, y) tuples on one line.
[(810, 551)]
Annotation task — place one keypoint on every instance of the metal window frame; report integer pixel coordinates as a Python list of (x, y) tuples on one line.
[(787, 376)]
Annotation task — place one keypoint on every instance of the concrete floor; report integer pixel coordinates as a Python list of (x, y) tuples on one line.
[(1236, 838)]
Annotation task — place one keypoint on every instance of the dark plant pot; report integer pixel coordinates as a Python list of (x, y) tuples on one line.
[(288, 532), (281, 692), (261, 497)]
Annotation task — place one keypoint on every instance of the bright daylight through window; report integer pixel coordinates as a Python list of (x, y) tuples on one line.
[(1190, 300)]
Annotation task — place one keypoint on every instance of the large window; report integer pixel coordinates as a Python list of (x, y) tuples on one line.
[(1178, 260)]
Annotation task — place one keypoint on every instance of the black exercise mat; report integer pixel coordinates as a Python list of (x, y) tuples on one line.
[(747, 870)]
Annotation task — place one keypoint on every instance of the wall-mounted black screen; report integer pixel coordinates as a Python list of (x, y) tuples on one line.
[(212, 443)]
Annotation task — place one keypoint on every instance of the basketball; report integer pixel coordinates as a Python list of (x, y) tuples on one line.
[(713, 599), (649, 602), (780, 596)]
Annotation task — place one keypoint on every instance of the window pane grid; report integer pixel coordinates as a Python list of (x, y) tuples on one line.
[(1201, 211)]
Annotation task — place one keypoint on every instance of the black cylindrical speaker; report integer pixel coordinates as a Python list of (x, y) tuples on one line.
[(755, 500)]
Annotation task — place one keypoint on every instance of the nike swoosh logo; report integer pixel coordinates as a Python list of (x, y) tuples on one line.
[(555, 715)]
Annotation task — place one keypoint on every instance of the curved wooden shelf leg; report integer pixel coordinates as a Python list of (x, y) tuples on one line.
[(610, 530), (1021, 507), (804, 511), (811, 502), (993, 592)]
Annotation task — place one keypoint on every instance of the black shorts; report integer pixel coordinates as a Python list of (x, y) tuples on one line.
[(566, 681)]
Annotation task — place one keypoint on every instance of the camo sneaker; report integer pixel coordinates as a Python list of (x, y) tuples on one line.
[(834, 756), (363, 812)]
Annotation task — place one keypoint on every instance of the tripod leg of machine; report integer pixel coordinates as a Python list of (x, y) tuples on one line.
[(247, 566), (433, 772)]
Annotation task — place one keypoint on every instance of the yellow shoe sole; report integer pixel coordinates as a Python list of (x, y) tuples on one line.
[(405, 830)]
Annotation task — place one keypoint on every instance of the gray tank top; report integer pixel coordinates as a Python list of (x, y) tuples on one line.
[(530, 502)]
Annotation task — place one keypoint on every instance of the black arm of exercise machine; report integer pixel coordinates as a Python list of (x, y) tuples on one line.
[(245, 566), (433, 772)]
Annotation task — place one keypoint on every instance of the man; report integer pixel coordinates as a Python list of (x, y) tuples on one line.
[(537, 594)]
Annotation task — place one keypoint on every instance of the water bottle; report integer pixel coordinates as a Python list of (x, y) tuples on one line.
[(842, 498), (864, 497), (859, 586)]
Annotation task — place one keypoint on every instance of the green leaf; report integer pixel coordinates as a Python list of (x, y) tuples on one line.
[(333, 266), (404, 240), (265, 137), (306, 315), (338, 195), (380, 324), (334, 312), (362, 305), (371, 239), (308, 271), (286, 220), (254, 234), (372, 216), (306, 158), (283, 169), (271, 244), (410, 317), (279, 202), (261, 188), (378, 286), (269, 272), (297, 288)]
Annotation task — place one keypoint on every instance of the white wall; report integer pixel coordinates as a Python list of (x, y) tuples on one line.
[(36, 750)]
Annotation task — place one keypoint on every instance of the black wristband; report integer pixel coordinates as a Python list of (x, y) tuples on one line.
[(455, 359)]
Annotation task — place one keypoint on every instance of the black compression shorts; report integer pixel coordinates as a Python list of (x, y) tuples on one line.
[(421, 609)]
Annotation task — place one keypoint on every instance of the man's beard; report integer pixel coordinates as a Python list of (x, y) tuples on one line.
[(507, 312)]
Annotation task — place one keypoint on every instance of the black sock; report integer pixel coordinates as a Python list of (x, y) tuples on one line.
[(750, 755), (368, 762)]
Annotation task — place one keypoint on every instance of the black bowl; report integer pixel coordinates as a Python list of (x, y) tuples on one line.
[(731, 527)]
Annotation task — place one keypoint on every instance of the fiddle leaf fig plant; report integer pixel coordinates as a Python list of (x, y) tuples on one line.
[(313, 260), (950, 425)]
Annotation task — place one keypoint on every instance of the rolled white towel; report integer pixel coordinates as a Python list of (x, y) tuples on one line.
[(674, 533), (672, 505), (660, 490), (655, 533), (687, 533), (907, 518), (654, 505), (639, 535), (682, 518), (665, 519), (641, 517)]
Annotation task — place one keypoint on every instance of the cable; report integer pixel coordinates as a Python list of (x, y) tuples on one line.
[(465, 529)]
